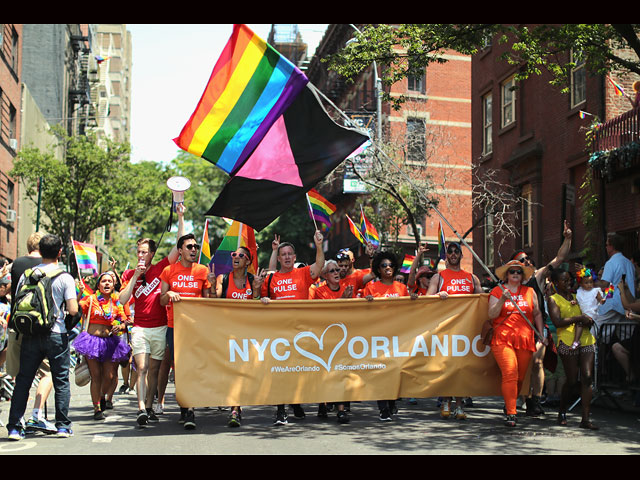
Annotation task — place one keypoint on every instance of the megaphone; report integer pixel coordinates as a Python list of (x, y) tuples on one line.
[(178, 185)]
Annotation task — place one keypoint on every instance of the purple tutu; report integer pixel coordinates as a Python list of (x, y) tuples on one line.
[(103, 349)]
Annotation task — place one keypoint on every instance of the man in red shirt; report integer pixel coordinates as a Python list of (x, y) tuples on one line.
[(141, 286), (349, 274), (453, 281), (290, 283), (185, 278)]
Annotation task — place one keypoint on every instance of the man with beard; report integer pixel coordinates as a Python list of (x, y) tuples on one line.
[(349, 275), (453, 281), (185, 278)]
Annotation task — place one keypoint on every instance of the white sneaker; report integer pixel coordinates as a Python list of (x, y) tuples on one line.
[(158, 409)]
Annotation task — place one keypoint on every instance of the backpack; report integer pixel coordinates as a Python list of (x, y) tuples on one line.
[(225, 283), (34, 312)]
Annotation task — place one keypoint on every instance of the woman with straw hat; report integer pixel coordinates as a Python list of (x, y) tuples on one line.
[(513, 342)]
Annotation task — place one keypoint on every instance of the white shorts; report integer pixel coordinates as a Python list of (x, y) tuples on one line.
[(149, 340)]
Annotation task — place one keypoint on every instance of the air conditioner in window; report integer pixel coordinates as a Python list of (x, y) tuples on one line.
[(11, 216), (13, 143)]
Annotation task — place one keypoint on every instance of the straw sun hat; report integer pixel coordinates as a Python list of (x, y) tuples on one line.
[(501, 272)]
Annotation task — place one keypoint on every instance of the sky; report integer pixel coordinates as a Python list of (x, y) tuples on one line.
[(171, 65)]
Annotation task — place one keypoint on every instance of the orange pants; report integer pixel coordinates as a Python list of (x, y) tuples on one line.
[(513, 364)]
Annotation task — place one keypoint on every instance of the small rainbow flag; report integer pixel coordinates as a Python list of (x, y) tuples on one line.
[(616, 87), (250, 87), (609, 291), (356, 231), (441, 243), (238, 235), (86, 289), (205, 249), (370, 232), (406, 263), (321, 209), (86, 257)]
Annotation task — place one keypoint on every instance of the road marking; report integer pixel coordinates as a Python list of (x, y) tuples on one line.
[(16, 447), (103, 438)]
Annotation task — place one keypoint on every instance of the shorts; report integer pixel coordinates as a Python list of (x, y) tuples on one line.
[(566, 350), (152, 341), (13, 357)]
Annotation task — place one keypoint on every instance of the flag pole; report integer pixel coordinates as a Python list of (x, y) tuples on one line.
[(365, 233), (311, 211), (204, 232)]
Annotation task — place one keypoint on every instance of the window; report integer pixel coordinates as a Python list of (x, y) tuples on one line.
[(487, 130), (508, 102), (488, 240), (416, 140), (12, 122), (578, 80), (527, 227), (416, 83), (14, 50)]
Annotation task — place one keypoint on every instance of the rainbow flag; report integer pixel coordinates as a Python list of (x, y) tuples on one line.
[(238, 235), (86, 257), (250, 87), (86, 289), (441, 243), (406, 263), (205, 249), (609, 291), (616, 87), (356, 231), (320, 208), (370, 232)]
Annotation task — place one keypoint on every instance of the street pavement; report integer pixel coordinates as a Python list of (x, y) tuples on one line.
[(416, 430)]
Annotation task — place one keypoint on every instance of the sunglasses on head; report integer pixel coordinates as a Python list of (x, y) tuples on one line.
[(192, 246), (524, 259)]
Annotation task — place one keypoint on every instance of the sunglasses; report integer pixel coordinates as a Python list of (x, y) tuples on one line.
[(515, 272), (192, 246), (524, 259), (386, 265), (453, 249), (334, 270), (241, 255)]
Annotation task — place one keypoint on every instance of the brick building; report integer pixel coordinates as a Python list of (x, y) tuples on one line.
[(10, 94), (535, 137), (437, 113)]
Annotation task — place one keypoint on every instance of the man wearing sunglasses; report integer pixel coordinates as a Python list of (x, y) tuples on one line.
[(453, 281), (185, 278), (537, 282)]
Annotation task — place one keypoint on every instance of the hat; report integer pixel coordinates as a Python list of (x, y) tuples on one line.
[(345, 253), (502, 271), (424, 270), (5, 280)]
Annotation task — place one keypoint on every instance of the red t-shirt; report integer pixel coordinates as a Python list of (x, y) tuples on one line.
[(456, 282), (148, 312), (187, 281), (323, 292), (379, 289), (293, 285)]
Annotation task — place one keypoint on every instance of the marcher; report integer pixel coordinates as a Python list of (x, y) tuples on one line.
[(141, 286), (99, 342), (185, 278), (419, 276), (290, 283), (537, 282), (239, 285), (513, 342), (384, 266), (453, 280), (565, 313), (54, 346), (350, 275)]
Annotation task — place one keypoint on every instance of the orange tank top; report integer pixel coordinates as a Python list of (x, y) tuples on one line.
[(456, 282)]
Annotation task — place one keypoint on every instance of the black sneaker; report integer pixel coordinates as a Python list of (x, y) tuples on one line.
[(322, 410), (151, 415), (235, 418), (343, 417), (190, 420), (281, 418), (385, 415), (298, 411), (142, 419), (98, 415)]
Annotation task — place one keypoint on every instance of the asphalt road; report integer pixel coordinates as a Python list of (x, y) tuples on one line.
[(417, 429)]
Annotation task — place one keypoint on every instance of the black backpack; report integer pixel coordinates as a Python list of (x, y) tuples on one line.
[(225, 283), (34, 311)]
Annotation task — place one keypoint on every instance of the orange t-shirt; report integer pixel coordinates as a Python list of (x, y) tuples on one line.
[(293, 285), (356, 279), (237, 293), (323, 292), (509, 327), (379, 289), (187, 281), (456, 282), (97, 313)]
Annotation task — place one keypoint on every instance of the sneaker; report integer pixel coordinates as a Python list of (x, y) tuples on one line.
[(124, 389), (108, 405), (533, 406), (281, 418), (322, 411), (298, 411), (64, 432), (234, 419), (183, 415), (445, 409), (413, 401), (151, 415), (158, 409), (459, 414), (190, 420), (510, 421), (42, 425), (385, 415), (343, 417), (16, 434), (98, 415), (142, 419)]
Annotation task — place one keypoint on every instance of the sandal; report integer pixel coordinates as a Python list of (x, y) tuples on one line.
[(562, 419), (588, 425)]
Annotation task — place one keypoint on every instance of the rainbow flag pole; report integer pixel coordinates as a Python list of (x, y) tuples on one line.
[(441, 243), (356, 231), (616, 87), (205, 249)]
